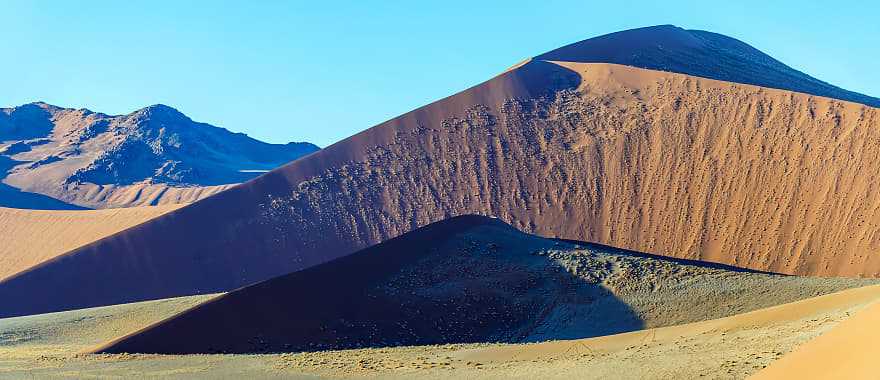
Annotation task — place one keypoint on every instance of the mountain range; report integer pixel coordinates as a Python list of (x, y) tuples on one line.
[(62, 158)]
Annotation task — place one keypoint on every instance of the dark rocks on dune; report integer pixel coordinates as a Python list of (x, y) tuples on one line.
[(465, 279)]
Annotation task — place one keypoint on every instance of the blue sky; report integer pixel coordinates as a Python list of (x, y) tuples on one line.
[(320, 71)]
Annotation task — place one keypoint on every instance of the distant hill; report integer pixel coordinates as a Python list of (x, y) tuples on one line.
[(662, 162), (53, 157)]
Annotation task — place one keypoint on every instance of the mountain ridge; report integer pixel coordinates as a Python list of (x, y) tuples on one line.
[(153, 155)]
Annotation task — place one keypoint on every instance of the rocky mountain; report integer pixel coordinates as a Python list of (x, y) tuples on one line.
[(52, 157), (755, 175)]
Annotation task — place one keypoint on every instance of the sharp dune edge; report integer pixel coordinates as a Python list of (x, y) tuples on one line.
[(463, 280), (31, 237), (849, 351), (377, 256), (433, 261), (644, 160)]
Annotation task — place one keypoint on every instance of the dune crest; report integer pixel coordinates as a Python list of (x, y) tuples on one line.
[(645, 160), (468, 279)]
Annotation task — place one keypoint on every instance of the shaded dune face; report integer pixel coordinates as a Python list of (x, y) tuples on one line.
[(459, 280), (468, 279), (650, 161), (248, 233)]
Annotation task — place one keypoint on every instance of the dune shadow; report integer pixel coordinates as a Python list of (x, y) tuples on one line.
[(465, 280), (14, 198)]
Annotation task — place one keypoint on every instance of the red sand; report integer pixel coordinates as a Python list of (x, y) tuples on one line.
[(644, 160)]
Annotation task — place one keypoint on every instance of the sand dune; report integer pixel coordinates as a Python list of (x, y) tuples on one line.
[(31, 237), (698, 53), (795, 311), (848, 351), (137, 195), (71, 332), (463, 280), (645, 160), (728, 348)]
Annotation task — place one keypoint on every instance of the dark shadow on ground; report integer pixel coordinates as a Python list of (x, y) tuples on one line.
[(463, 280)]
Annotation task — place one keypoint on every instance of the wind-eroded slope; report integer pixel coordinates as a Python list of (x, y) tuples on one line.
[(30, 237), (645, 160), (653, 161), (468, 279), (243, 235)]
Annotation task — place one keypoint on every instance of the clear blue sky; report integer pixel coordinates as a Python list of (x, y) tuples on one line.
[(320, 71)]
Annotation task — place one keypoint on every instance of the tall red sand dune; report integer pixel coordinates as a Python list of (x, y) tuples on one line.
[(653, 161), (31, 237), (469, 279)]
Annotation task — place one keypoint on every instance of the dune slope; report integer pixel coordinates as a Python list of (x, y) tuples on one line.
[(849, 351), (700, 53), (72, 332), (468, 279), (650, 161), (30, 237)]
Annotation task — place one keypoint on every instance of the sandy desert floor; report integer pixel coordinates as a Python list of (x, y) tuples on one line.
[(719, 323), (51, 346)]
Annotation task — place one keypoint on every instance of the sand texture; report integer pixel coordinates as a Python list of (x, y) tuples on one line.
[(31, 237), (80, 330), (464, 280), (645, 160), (848, 351), (47, 346)]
